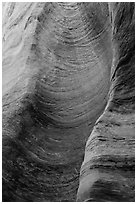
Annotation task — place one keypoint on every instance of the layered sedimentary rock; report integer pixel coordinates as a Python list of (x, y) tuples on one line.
[(108, 170), (59, 64)]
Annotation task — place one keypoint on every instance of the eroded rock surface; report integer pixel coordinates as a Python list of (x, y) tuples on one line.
[(108, 170), (58, 68)]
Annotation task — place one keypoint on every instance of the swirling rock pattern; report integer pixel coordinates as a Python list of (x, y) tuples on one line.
[(60, 69), (107, 173)]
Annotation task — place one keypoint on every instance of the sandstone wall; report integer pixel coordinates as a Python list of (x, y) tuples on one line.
[(63, 64)]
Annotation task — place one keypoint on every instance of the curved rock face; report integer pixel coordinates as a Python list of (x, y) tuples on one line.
[(62, 63), (107, 173)]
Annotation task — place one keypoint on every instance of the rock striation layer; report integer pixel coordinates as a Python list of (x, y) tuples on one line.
[(62, 63), (108, 170)]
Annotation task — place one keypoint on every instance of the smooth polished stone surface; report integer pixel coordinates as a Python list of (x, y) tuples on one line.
[(108, 170), (59, 72)]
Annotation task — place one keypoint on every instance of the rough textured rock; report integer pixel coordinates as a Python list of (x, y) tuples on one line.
[(62, 63)]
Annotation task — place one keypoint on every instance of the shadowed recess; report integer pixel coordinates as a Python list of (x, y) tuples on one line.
[(63, 63), (109, 162)]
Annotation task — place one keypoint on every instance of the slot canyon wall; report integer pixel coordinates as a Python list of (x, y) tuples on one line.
[(68, 102)]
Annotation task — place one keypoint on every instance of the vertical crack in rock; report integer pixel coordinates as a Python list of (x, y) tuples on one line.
[(62, 63), (108, 170)]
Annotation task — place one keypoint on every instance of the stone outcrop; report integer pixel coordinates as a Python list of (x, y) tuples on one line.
[(62, 64), (107, 173)]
